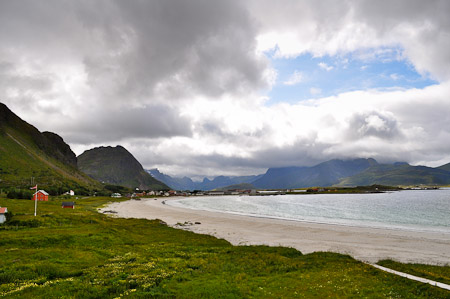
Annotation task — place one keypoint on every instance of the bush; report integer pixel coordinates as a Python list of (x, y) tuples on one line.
[(20, 194), (25, 223), (8, 216)]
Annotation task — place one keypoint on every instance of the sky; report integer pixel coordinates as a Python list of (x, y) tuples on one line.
[(232, 87)]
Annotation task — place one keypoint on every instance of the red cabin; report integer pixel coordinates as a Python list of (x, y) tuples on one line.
[(68, 205), (41, 195)]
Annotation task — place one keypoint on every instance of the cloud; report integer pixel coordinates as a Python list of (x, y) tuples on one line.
[(395, 77), (403, 125), (315, 91), (325, 66), (418, 30), (373, 124), (294, 79), (185, 86)]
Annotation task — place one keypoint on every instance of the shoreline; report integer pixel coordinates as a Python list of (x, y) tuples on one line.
[(310, 221), (363, 243)]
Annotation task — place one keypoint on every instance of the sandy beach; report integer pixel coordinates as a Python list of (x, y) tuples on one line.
[(365, 244)]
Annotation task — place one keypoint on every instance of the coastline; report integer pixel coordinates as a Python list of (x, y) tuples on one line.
[(362, 243)]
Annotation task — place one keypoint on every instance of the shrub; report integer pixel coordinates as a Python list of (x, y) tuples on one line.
[(20, 194)]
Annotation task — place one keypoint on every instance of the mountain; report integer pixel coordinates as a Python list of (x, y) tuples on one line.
[(25, 152), (243, 186), (186, 183), (224, 181), (324, 174), (445, 167), (397, 175), (116, 165)]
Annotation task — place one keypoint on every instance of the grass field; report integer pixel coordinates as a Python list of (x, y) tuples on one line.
[(436, 273), (83, 254)]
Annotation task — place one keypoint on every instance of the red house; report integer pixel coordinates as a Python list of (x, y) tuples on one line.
[(68, 205), (41, 195)]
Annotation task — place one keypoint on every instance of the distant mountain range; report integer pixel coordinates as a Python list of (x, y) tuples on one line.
[(186, 183), (324, 174), (28, 156), (117, 166), (344, 173)]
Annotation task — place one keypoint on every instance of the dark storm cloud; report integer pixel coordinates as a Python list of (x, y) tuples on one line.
[(117, 125), (172, 49), (130, 54)]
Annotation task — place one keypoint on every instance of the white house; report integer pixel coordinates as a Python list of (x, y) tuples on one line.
[(70, 192), (3, 211)]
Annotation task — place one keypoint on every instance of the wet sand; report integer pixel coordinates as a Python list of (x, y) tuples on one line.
[(365, 244)]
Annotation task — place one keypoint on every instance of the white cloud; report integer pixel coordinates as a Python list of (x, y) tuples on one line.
[(421, 28), (395, 77), (325, 66), (315, 91), (294, 79)]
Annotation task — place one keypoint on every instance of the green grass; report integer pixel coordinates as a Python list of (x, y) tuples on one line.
[(436, 273), (83, 254)]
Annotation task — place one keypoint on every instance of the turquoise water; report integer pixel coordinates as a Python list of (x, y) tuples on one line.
[(418, 210)]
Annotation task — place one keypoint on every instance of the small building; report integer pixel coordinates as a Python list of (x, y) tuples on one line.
[(68, 205), (214, 193), (70, 192), (41, 195), (116, 195), (3, 211)]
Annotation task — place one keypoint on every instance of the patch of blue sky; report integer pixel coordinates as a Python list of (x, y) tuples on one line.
[(307, 77)]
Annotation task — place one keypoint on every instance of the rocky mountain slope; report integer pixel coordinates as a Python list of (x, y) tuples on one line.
[(27, 155), (116, 165)]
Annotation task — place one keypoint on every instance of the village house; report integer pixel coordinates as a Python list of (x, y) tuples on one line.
[(70, 192), (68, 205), (41, 195), (3, 211)]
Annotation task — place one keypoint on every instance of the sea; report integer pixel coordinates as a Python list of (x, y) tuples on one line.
[(414, 210)]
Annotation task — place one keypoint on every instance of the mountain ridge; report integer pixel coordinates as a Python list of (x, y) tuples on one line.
[(324, 174), (186, 183), (116, 165), (26, 153), (336, 172)]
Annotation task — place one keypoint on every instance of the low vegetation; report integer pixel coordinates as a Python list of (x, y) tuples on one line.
[(81, 253), (347, 190), (436, 273)]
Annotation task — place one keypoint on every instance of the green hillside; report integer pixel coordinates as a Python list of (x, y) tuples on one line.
[(398, 174), (445, 167), (115, 165), (25, 153)]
